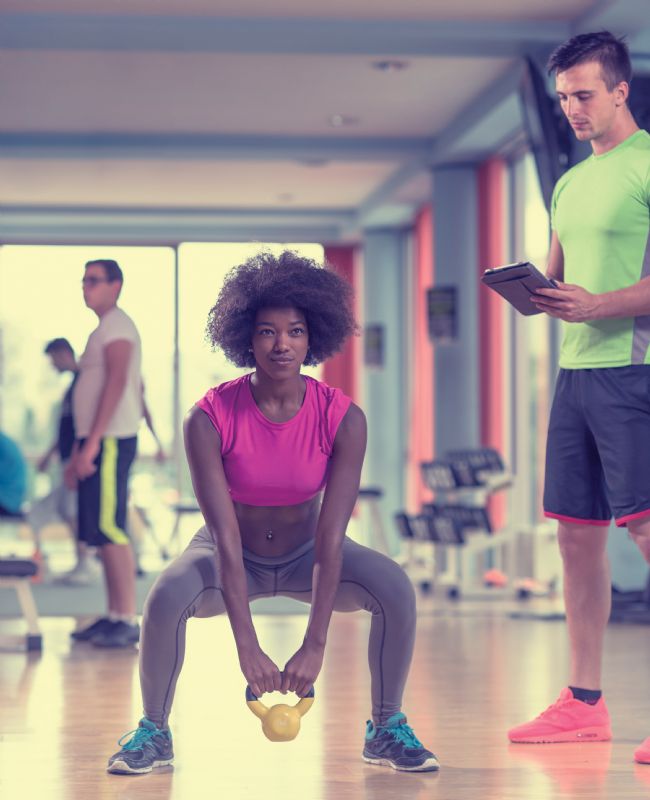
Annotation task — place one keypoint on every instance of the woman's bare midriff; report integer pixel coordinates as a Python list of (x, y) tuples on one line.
[(277, 530)]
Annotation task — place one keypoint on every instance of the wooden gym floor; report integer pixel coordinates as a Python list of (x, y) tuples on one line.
[(473, 676)]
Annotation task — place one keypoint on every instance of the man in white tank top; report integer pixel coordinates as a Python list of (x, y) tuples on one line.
[(107, 407)]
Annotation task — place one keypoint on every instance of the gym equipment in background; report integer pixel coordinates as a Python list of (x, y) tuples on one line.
[(467, 553), (18, 573)]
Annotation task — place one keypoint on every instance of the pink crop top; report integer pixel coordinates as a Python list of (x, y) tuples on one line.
[(275, 463)]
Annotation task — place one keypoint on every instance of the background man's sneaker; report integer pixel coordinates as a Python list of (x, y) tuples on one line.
[(567, 720), (87, 633), (147, 748), (83, 574), (642, 753), (117, 634), (396, 745)]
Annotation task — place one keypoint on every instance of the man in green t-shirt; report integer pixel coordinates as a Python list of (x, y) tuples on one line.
[(598, 449)]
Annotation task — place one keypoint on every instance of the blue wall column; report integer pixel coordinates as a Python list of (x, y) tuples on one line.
[(456, 367), (384, 398)]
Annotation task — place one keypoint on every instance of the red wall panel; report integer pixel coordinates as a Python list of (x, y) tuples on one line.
[(421, 413), (342, 369), (492, 253)]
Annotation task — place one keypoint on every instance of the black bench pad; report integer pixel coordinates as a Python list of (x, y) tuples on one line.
[(17, 568)]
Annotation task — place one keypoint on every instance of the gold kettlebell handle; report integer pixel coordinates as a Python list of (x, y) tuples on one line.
[(260, 710), (253, 698)]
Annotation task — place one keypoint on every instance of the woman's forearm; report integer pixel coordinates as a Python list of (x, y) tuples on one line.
[(235, 596), (326, 577)]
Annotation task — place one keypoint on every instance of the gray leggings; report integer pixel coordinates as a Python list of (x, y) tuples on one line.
[(191, 587)]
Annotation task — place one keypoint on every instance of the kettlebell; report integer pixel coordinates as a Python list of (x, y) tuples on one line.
[(281, 722)]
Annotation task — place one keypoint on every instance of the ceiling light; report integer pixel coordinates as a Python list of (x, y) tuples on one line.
[(341, 120), (313, 162), (390, 65)]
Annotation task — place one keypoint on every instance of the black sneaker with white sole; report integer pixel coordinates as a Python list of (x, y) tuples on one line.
[(117, 634), (396, 745), (148, 747), (87, 633)]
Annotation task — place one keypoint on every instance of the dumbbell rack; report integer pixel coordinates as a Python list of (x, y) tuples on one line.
[(457, 524)]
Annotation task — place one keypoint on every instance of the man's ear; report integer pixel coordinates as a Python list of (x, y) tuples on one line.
[(622, 93)]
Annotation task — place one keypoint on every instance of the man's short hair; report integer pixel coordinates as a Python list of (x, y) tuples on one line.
[(57, 345), (603, 47), (111, 268)]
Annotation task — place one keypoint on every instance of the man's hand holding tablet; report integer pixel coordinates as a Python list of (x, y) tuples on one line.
[(519, 284)]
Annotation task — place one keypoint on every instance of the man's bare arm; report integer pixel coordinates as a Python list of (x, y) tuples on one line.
[(118, 356), (555, 262)]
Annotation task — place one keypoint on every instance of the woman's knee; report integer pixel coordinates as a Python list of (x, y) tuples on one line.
[(403, 589), (169, 597), (394, 590)]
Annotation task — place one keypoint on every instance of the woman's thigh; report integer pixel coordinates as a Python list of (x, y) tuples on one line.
[(372, 581), (192, 583), (368, 578)]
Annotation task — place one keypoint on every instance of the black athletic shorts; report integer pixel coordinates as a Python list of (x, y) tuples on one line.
[(101, 499), (598, 448)]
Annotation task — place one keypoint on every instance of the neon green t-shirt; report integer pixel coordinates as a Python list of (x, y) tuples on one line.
[(601, 213)]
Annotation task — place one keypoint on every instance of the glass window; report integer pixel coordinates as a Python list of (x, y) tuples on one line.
[(40, 299), (531, 342), (536, 245)]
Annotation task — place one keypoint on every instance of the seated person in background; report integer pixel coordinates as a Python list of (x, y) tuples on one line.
[(13, 477)]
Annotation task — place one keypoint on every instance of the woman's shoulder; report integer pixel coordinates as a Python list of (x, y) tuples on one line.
[(220, 402), (225, 393), (333, 406)]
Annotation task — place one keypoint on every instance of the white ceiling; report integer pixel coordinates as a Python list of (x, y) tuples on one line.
[(218, 105), (234, 93), (187, 184), (340, 9)]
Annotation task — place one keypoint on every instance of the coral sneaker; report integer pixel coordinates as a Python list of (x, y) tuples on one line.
[(567, 720), (642, 753)]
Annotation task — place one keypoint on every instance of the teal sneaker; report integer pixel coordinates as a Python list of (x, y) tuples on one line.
[(147, 748), (396, 745)]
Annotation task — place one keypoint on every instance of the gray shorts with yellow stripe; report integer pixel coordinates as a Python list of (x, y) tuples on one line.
[(102, 497)]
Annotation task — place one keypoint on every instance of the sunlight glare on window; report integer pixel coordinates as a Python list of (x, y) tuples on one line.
[(41, 299)]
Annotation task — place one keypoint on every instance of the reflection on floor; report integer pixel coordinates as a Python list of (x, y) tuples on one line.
[(473, 676)]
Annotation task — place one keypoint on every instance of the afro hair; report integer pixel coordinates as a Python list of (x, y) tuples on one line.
[(286, 281)]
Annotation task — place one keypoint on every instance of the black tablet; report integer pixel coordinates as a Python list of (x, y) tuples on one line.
[(516, 282)]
